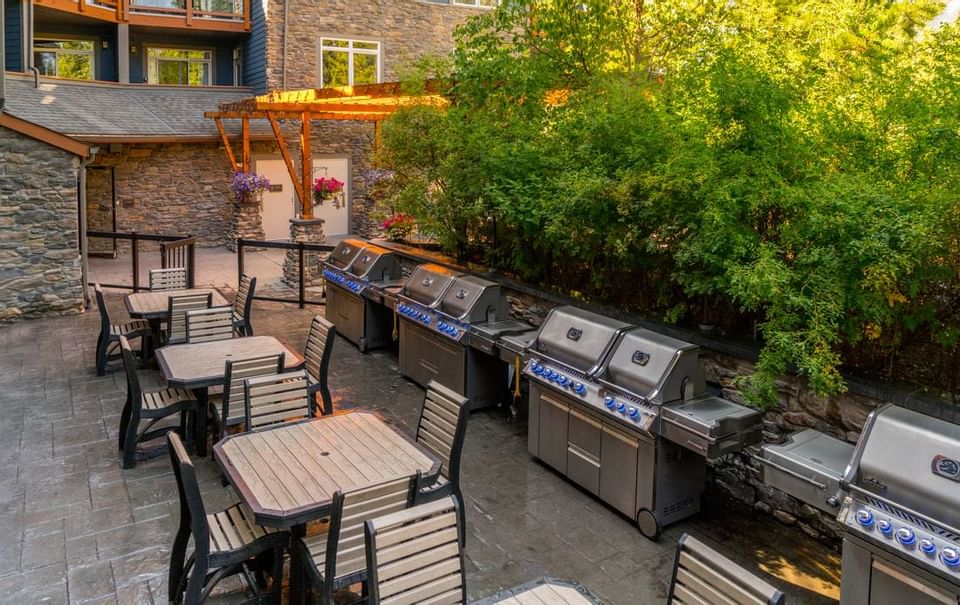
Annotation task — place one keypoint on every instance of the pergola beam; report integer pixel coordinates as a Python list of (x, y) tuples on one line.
[(226, 144), (287, 160)]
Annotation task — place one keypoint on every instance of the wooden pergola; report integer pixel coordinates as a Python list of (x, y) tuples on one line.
[(368, 102)]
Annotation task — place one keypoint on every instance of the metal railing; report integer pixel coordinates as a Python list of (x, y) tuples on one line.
[(301, 248), (177, 246)]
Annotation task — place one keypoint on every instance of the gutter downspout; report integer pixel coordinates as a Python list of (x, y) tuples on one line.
[(84, 256), (28, 30), (283, 60)]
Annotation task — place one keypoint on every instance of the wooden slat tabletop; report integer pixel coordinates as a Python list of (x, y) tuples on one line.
[(545, 591), (194, 366), (288, 475), (154, 305)]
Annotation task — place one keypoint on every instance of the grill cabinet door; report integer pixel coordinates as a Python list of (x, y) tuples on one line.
[(346, 312), (451, 365), (553, 431), (583, 451), (892, 585), (618, 471)]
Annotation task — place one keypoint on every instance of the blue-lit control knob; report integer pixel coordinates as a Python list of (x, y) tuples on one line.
[(609, 401), (906, 536), (621, 407), (885, 527), (442, 325), (454, 332), (538, 369), (426, 319), (633, 412), (579, 389), (950, 557), (563, 381), (927, 546), (865, 518)]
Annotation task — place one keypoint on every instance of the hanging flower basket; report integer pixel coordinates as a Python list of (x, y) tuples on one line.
[(328, 189), (248, 188)]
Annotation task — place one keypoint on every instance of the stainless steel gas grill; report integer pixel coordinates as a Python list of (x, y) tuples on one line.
[(435, 334), (621, 411), (357, 274), (901, 512)]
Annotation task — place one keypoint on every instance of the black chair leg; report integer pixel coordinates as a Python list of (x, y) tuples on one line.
[(177, 555), (125, 421), (463, 516), (102, 344), (130, 444)]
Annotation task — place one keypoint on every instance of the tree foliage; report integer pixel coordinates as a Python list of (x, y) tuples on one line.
[(796, 163)]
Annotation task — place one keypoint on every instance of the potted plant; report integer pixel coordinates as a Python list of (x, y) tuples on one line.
[(399, 227), (328, 189), (248, 187)]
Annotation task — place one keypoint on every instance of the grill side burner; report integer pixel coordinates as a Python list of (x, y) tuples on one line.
[(621, 411), (355, 292), (900, 510)]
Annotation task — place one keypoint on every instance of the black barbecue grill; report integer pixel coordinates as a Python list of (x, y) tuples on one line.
[(439, 311), (357, 274), (622, 412), (901, 512)]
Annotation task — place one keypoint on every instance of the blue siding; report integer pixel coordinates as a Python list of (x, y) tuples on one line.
[(255, 50), (106, 58), (222, 54), (11, 34)]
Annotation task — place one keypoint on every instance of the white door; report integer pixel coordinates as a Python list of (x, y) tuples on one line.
[(280, 202)]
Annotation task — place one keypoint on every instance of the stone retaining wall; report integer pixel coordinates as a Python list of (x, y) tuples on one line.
[(39, 257)]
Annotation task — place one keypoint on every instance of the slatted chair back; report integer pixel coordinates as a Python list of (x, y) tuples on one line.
[(236, 372), (177, 313), (243, 301), (346, 549), (168, 279), (102, 308), (702, 575), (414, 556), (271, 400), (316, 358), (134, 390), (191, 503), (443, 423), (206, 325)]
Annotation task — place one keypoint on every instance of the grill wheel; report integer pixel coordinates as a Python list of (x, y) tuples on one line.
[(648, 525)]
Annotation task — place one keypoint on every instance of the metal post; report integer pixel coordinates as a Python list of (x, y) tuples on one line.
[(136, 261), (302, 288), (191, 257), (239, 257)]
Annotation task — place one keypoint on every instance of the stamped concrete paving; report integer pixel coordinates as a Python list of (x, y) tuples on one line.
[(75, 527)]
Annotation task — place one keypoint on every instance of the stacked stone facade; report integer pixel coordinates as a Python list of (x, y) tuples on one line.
[(40, 272)]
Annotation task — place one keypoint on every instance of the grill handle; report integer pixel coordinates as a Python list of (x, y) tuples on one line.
[(820, 486)]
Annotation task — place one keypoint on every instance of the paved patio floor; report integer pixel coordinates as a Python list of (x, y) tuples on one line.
[(77, 528)]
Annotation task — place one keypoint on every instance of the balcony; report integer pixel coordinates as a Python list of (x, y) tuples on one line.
[(218, 15)]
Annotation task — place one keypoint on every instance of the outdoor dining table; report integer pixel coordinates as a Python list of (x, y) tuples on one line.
[(154, 306), (543, 591), (199, 366)]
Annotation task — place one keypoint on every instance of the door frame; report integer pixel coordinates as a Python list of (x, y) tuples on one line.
[(348, 186), (113, 210)]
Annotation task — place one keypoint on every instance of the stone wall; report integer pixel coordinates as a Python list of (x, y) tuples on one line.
[(39, 257)]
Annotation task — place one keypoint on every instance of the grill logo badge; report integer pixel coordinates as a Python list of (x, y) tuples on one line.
[(462, 293), (946, 467), (427, 281), (641, 358), (574, 333)]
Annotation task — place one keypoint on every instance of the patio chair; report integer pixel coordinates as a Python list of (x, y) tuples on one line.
[(177, 308), (702, 575), (441, 430), (336, 559), (148, 408), (272, 400), (207, 325), (225, 543), (168, 279), (316, 360), (242, 305), (227, 408), (414, 556), (110, 333)]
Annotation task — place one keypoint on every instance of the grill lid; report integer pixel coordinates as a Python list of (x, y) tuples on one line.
[(654, 366), (472, 299), (913, 460), (345, 253), (374, 263), (428, 282), (577, 338)]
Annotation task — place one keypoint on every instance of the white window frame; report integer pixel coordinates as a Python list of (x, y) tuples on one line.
[(238, 66), (351, 52), (209, 61), (474, 3), (92, 53)]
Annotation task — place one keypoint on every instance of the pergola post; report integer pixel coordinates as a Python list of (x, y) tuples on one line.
[(245, 132), (306, 167)]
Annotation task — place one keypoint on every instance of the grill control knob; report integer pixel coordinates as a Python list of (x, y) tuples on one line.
[(950, 557), (579, 388), (633, 412), (563, 381), (609, 401), (885, 527), (621, 407), (442, 325), (927, 546), (865, 518), (454, 332), (906, 536)]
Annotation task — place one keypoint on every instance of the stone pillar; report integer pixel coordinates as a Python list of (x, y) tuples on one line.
[(308, 231), (246, 223)]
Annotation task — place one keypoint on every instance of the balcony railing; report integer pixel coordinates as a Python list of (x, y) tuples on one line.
[(231, 15)]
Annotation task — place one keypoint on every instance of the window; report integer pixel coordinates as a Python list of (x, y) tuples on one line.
[(480, 3), (349, 62), (64, 58), (238, 66), (179, 66)]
